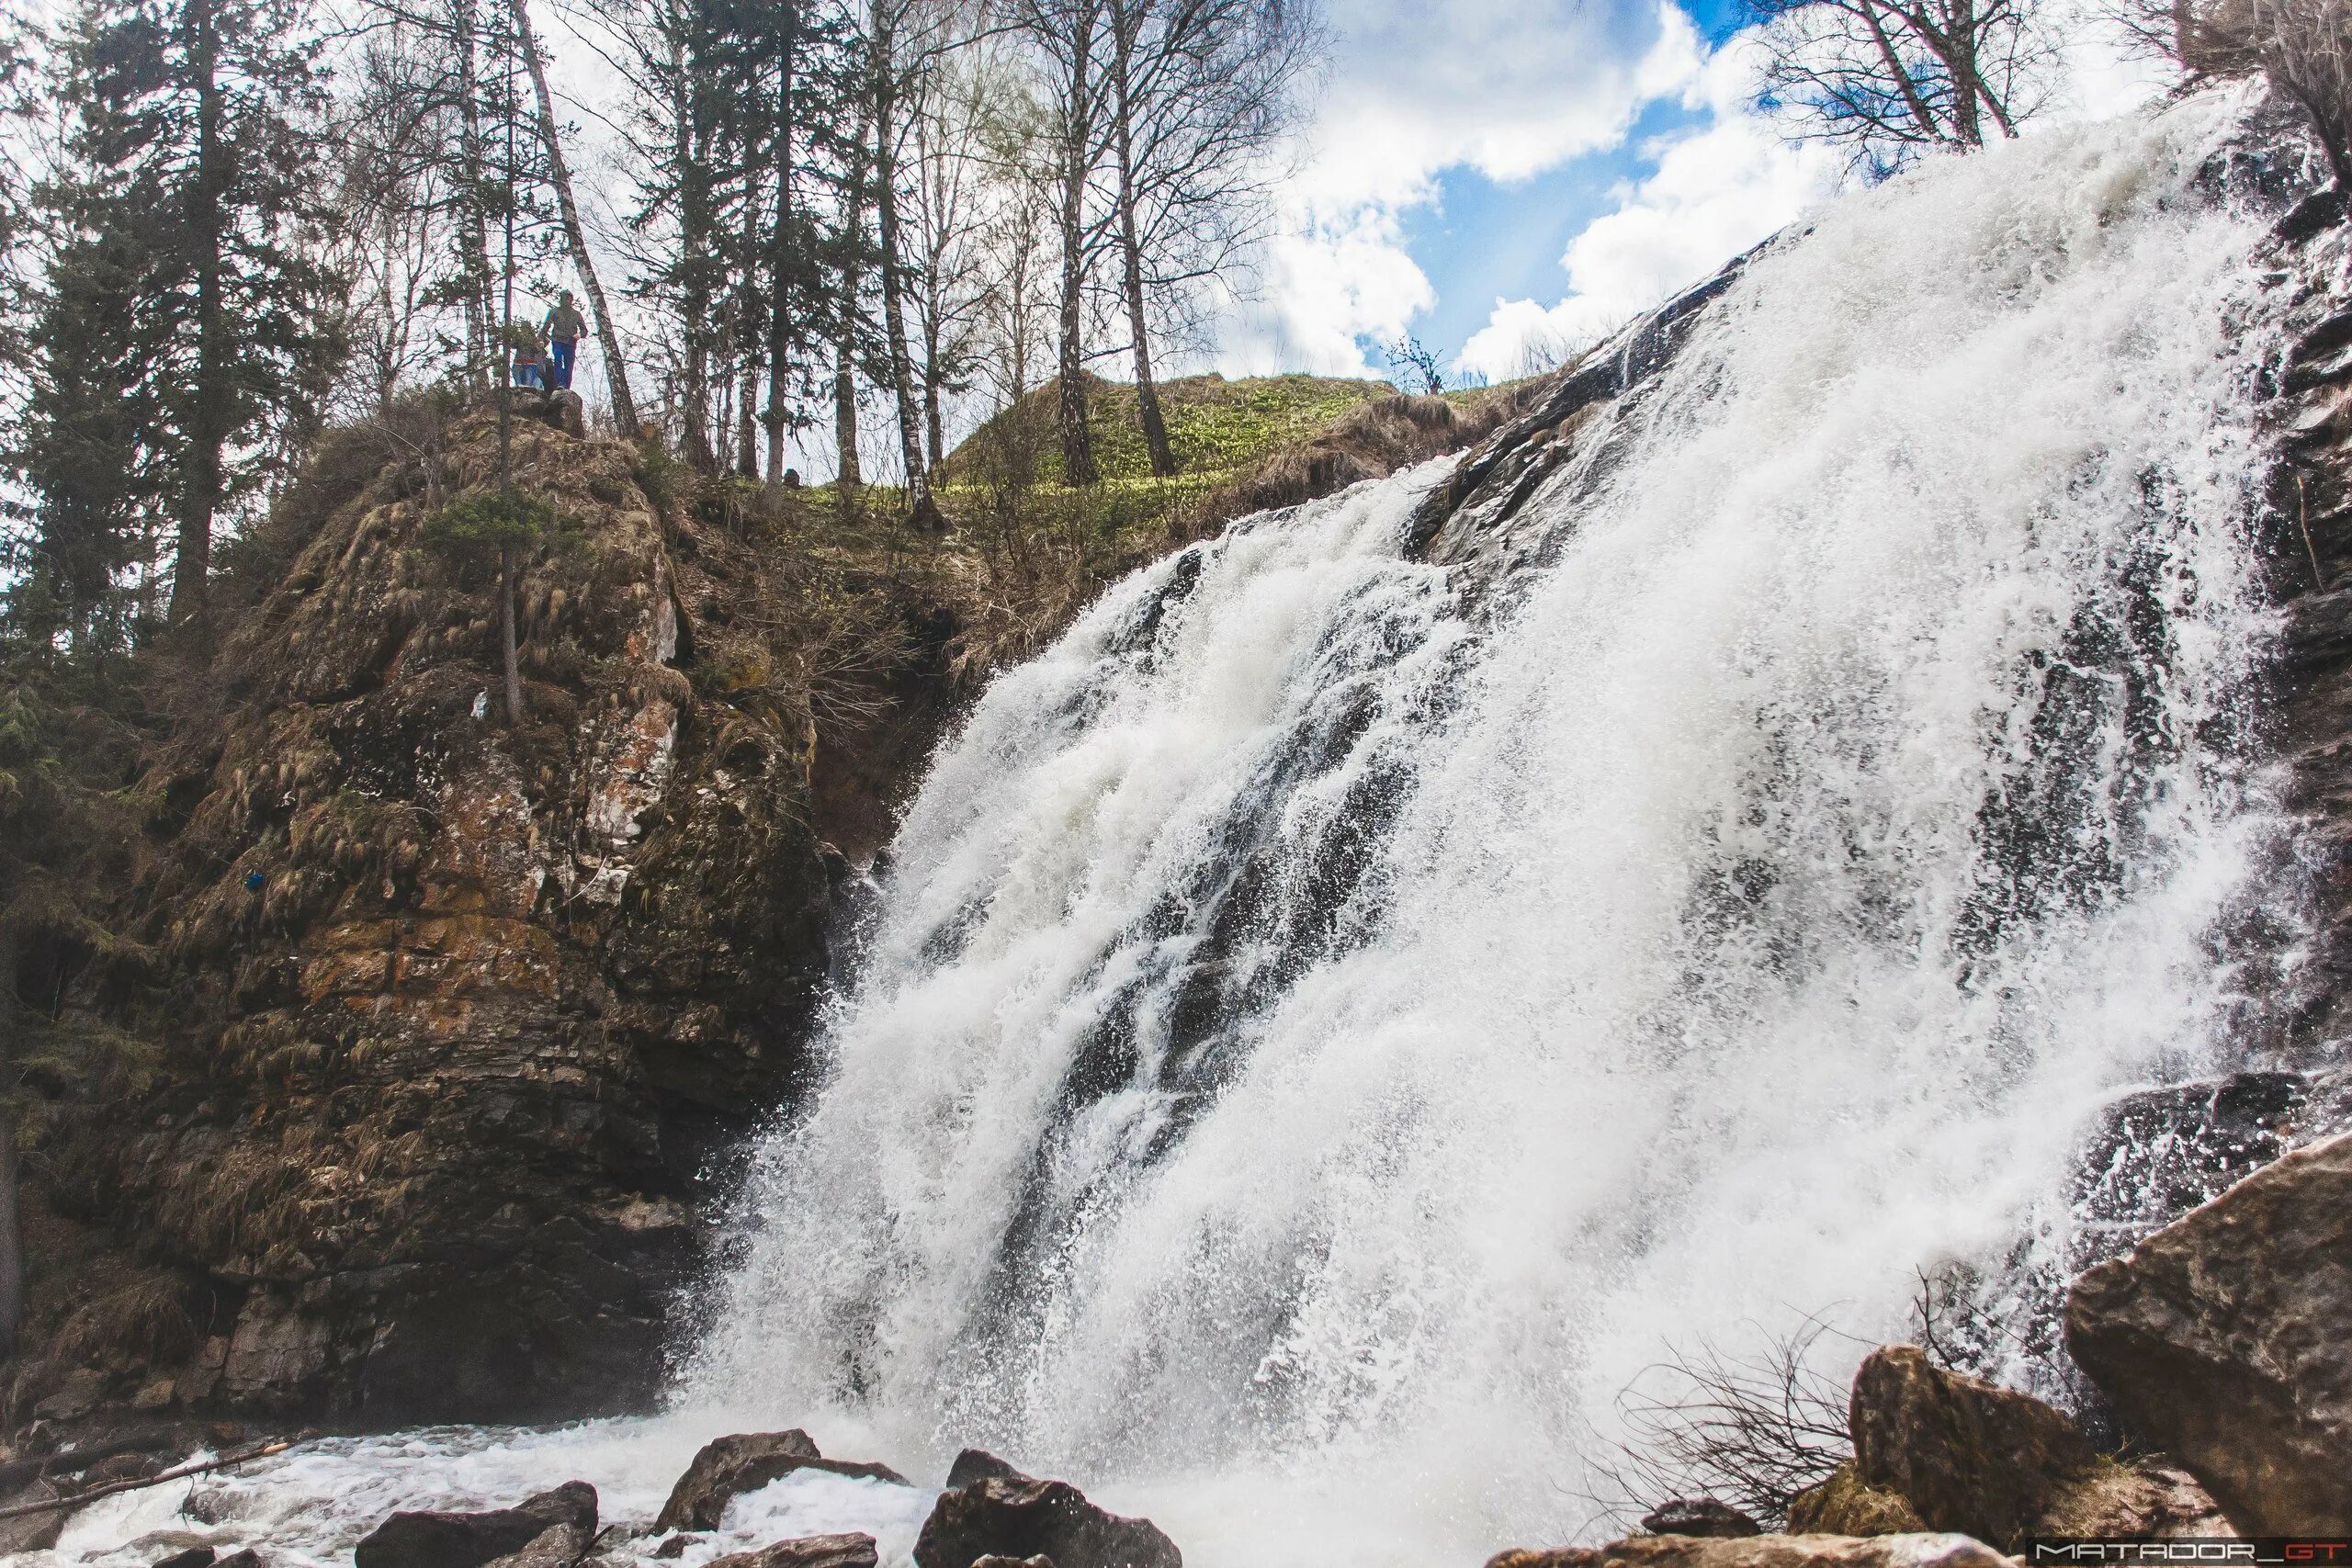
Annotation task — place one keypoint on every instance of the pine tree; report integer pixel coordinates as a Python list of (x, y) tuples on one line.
[(178, 334)]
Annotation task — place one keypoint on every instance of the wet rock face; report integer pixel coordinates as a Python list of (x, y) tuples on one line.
[(723, 1468), (1574, 431), (1968, 1457), (451, 1012), (1699, 1516), (848, 1551), (553, 1527), (728, 1467), (1004, 1516), (2226, 1338), (1764, 1551)]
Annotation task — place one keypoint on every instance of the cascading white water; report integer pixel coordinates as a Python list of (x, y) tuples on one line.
[(1317, 1046), (1326, 1030)]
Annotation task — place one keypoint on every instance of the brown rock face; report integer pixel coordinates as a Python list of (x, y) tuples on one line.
[(452, 1012), (1764, 1551), (999, 1517), (1699, 1516), (728, 1467), (850, 1551), (2226, 1338), (1967, 1456), (2147, 1498), (552, 1529)]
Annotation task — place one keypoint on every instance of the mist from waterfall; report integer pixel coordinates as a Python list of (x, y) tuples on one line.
[(1330, 1023)]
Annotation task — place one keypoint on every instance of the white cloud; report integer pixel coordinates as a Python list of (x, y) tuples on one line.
[(1508, 87), (1734, 181), (1326, 284), (1718, 189)]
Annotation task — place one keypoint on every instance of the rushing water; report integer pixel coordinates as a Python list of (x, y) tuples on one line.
[(1328, 1029)]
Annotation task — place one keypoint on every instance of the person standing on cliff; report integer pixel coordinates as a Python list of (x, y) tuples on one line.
[(564, 327)]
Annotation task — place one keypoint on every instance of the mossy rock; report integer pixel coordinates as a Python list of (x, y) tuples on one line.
[(1843, 1505)]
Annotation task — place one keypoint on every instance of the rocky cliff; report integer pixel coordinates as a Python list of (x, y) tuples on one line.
[(450, 1014)]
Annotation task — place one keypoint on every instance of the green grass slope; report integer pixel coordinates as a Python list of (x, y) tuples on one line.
[(1214, 426)]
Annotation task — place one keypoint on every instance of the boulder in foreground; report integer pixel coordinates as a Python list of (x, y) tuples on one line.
[(1004, 1516), (444, 1538), (1912, 1550), (847, 1550), (728, 1467), (1935, 1449), (1968, 1456), (1699, 1516), (2225, 1339)]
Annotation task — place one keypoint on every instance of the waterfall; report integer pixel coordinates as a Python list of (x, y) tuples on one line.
[(1331, 1022), (1336, 1020)]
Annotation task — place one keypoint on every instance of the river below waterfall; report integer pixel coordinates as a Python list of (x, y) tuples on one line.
[(1330, 1026)]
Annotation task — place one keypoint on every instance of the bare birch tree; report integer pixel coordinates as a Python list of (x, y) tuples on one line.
[(575, 237), (1887, 80), (1200, 93)]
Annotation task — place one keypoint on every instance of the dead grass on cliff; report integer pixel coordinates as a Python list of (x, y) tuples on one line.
[(147, 1319), (86, 1304)]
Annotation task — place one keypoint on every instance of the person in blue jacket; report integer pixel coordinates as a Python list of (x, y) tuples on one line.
[(564, 327)]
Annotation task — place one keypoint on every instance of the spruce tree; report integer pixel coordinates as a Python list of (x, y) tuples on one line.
[(177, 338)]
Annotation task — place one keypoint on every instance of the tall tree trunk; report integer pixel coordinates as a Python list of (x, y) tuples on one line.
[(574, 236), (745, 405), (921, 507), (747, 422), (483, 362), (1078, 140), (509, 663), (12, 1254), (850, 474), (934, 425), (695, 236), (1155, 428), (748, 336), (210, 398), (780, 240), (1957, 46)]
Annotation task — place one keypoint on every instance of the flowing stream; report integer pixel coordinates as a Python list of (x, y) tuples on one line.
[(1330, 1023)]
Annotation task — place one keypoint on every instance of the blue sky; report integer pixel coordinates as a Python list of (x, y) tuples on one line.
[(1481, 239), (1508, 178), (1492, 176)]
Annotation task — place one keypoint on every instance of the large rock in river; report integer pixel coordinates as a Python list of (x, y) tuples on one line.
[(728, 1467), (444, 1538), (849, 1550), (2226, 1339), (1968, 1456), (1914, 1550), (1004, 1516)]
